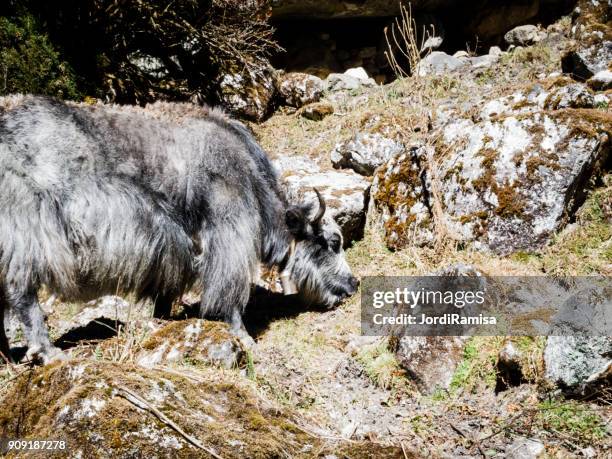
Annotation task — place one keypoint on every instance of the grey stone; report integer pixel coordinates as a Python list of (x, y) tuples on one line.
[(525, 448), (196, 341), (484, 61), (430, 361), (524, 35), (298, 89), (345, 192), (576, 363), (365, 152), (346, 82), (439, 63)]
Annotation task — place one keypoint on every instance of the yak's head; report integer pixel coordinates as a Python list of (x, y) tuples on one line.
[(317, 265)]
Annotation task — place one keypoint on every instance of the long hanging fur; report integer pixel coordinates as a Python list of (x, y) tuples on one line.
[(104, 199)]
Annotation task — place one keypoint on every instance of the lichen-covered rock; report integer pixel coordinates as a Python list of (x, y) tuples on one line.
[(576, 363), (399, 198), (364, 152), (249, 95), (317, 111), (346, 194), (570, 96), (512, 179), (121, 410), (430, 361), (298, 89), (525, 35), (193, 342), (592, 51)]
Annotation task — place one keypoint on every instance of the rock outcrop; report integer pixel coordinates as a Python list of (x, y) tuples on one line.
[(514, 174), (106, 409), (488, 20), (578, 364)]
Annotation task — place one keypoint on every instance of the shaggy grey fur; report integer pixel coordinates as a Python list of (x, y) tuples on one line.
[(105, 199)]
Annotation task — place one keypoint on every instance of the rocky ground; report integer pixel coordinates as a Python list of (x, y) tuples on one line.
[(496, 163)]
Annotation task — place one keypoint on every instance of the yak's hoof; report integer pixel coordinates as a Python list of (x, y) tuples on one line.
[(45, 355), (245, 339)]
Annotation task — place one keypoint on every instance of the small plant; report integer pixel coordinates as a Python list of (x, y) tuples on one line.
[(478, 364), (381, 365), (403, 43), (250, 366)]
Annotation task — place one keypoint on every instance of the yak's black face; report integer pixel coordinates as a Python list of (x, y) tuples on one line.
[(318, 266)]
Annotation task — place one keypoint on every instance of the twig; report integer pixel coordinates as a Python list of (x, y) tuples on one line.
[(470, 438), (404, 450), (141, 403)]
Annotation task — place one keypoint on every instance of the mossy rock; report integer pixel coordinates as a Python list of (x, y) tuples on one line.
[(193, 342), (506, 180), (85, 404)]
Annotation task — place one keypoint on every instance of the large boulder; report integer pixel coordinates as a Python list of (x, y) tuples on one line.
[(578, 355), (112, 409), (578, 363), (346, 193), (592, 50), (512, 177)]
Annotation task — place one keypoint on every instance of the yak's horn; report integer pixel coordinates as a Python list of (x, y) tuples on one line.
[(322, 207)]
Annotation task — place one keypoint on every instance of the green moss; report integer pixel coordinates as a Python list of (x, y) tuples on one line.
[(30, 64), (571, 419), (388, 195), (510, 203), (478, 365)]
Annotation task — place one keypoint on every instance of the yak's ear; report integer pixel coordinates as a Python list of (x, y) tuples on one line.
[(297, 221)]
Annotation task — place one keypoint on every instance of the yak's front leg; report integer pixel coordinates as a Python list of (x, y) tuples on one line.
[(228, 265), (34, 328)]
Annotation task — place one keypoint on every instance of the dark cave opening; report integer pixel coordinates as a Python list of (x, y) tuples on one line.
[(320, 46)]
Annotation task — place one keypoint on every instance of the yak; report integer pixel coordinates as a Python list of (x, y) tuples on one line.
[(100, 199)]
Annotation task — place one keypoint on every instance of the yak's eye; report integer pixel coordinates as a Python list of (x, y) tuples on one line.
[(334, 243)]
